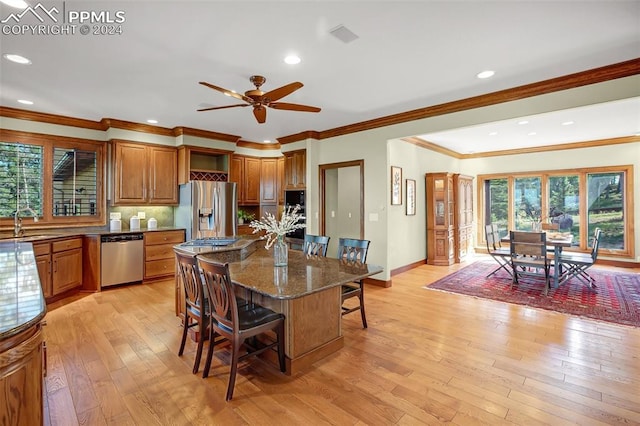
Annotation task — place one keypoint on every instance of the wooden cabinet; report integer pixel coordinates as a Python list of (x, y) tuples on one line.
[(449, 217), (280, 180), (197, 163), (159, 259), (144, 174), (269, 181), (21, 378), (245, 171), (66, 261), (440, 218), (295, 169), (42, 252), (463, 194), (59, 264)]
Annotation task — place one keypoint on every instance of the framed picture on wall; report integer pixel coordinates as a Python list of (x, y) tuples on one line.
[(396, 185), (411, 197)]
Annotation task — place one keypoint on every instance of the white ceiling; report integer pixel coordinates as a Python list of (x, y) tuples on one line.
[(408, 55)]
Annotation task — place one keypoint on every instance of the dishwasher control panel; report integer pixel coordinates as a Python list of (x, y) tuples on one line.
[(121, 237)]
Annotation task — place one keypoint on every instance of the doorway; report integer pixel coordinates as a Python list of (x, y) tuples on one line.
[(341, 202)]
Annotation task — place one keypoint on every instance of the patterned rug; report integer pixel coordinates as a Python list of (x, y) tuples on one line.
[(616, 298)]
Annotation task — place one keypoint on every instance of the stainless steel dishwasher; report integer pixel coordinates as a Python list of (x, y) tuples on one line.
[(122, 259)]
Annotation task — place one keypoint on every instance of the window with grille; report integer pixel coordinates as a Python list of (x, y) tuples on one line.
[(59, 178)]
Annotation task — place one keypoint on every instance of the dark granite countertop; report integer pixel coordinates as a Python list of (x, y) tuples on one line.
[(22, 304), (303, 275), (50, 233)]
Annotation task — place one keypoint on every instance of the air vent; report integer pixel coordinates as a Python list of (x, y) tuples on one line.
[(343, 34)]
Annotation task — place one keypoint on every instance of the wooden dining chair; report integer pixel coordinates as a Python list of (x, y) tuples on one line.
[(315, 245), (352, 250), (195, 304), (576, 264), (529, 257), (235, 324), (501, 255)]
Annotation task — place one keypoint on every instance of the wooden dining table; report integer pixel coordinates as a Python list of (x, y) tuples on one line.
[(557, 240)]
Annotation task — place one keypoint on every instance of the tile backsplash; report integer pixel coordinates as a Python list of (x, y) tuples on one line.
[(164, 215)]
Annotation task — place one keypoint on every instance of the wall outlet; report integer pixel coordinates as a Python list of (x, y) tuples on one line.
[(114, 216), (142, 215)]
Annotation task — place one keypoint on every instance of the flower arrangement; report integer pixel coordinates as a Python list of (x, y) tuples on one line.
[(275, 229)]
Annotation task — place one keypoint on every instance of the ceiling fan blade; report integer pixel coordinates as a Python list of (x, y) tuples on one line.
[(223, 107), (281, 92), (227, 92), (260, 113), (294, 107)]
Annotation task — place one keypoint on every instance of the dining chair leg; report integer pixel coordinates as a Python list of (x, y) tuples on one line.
[(184, 336), (196, 363), (362, 314), (212, 344), (235, 356)]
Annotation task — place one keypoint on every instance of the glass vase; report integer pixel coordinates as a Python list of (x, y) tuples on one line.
[(280, 252)]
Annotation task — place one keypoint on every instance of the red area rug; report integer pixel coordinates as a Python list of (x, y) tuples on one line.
[(616, 298)]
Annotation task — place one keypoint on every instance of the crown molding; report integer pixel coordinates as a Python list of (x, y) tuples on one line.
[(307, 134), (114, 123), (189, 131), (255, 145), (42, 117)]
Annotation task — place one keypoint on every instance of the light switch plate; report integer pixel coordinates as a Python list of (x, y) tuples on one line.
[(142, 215), (115, 215)]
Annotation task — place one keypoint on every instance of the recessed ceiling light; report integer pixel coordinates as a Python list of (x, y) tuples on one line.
[(567, 123), (292, 60), (26, 102), (531, 134), (523, 122), (493, 133), (20, 4), (485, 74), (17, 59), (267, 141), (152, 121)]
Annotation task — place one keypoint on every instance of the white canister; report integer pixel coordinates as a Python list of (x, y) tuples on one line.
[(152, 223), (134, 222), (115, 225)]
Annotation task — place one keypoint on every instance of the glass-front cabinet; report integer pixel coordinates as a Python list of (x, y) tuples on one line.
[(440, 218)]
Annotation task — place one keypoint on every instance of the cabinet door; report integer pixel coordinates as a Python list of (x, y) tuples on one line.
[(268, 181), (280, 180), (236, 174), (163, 182), (252, 180), (300, 169), (43, 263), (130, 173), (67, 270)]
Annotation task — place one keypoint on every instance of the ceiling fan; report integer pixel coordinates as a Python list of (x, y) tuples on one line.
[(260, 100)]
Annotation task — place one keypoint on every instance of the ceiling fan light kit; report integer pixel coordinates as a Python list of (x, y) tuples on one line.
[(260, 100)]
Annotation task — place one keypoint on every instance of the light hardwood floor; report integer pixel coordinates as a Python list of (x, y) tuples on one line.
[(428, 357)]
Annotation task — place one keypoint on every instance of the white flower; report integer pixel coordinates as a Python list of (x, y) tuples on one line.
[(275, 229)]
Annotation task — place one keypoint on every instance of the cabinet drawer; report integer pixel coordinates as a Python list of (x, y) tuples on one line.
[(161, 251), (40, 249), (67, 244), (166, 237), (158, 268)]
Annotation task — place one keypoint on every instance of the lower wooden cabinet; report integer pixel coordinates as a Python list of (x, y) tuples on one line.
[(21, 378), (159, 259), (59, 265)]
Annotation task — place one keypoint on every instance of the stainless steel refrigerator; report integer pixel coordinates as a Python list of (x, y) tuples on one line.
[(208, 209)]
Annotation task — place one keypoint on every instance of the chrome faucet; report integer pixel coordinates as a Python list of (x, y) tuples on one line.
[(17, 220)]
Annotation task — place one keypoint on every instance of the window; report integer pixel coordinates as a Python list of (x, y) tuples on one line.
[(578, 201), (59, 178)]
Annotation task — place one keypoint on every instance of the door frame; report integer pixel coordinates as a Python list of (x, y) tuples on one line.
[(321, 179)]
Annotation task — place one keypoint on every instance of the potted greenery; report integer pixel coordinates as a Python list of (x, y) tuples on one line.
[(244, 216)]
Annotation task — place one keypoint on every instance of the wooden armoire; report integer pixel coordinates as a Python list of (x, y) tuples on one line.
[(449, 201)]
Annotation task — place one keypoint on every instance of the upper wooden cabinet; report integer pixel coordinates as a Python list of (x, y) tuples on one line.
[(144, 174), (197, 163), (245, 171), (295, 169), (280, 180), (269, 181)]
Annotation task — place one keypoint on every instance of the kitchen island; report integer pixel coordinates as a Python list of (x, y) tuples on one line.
[(307, 291), (22, 309)]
